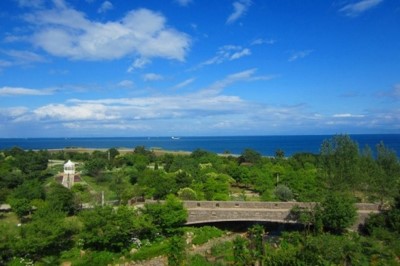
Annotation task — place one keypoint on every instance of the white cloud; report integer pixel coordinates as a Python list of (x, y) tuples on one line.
[(262, 41), (396, 91), (240, 54), (138, 63), (61, 112), (105, 6), (393, 94), (152, 77), (184, 2), (126, 84), (24, 56), (13, 112), (18, 91), (348, 115), (184, 83), (4, 63), (18, 58), (66, 32), (359, 7), (239, 9), (226, 53), (218, 86), (299, 55), (30, 3)]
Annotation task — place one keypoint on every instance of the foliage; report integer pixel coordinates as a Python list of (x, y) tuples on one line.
[(340, 162), (95, 258), (241, 253), (223, 250), (386, 181), (61, 198), (47, 234), (256, 235), (337, 212), (176, 251), (198, 260), (205, 233), (250, 156), (167, 217), (106, 228), (7, 240), (121, 186), (187, 194), (95, 166), (216, 186), (107, 233), (29, 190), (151, 251), (283, 193), (21, 207)]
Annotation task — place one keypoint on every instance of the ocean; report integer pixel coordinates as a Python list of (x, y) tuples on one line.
[(266, 145)]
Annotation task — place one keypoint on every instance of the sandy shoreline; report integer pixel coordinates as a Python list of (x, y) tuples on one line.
[(123, 150)]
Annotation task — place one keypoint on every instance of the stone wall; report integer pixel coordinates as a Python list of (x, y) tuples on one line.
[(219, 211)]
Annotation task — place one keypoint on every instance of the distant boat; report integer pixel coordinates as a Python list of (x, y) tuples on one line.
[(175, 138)]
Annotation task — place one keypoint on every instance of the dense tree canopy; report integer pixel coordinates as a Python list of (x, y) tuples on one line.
[(54, 226)]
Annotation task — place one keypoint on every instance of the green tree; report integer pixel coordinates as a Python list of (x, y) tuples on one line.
[(250, 156), (187, 194), (340, 162), (256, 235), (47, 234), (176, 251), (283, 193), (387, 182), (30, 189), (95, 166), (106, 228), (241, 253), (21, 207), (7, 241), (337, 212), (112, 153), (217, 186), (167, 217), (61, 198), (121, 186)]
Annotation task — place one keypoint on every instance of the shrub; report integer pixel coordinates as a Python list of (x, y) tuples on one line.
[(283, 193), (205, 233)]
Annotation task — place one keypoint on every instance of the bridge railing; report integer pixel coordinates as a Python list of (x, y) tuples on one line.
[(245, 204), (259, 205)]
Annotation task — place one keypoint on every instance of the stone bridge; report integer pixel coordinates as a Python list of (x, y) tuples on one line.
[(200, 212), (224, 211)]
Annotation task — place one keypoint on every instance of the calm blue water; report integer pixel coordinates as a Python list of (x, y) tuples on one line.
[(266, 145)]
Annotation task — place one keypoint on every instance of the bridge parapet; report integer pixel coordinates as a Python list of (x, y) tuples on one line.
[(246, 204), (220, 211)]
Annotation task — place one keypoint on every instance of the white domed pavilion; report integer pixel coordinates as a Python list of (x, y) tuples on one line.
[(68, 177)]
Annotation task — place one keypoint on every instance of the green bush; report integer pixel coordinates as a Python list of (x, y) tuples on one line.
[(148, 252), (205, 233), (198, 260), (96, 258), (283, 193)]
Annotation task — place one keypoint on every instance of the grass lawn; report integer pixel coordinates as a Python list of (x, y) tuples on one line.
[(97, 187), (10, 220)]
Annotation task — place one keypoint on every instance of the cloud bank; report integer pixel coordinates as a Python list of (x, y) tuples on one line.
[(65, 32)]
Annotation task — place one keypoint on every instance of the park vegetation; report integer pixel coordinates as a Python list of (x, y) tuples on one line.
[(50, 224)]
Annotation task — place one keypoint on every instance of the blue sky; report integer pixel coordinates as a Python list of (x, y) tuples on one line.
[(72, 68)]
